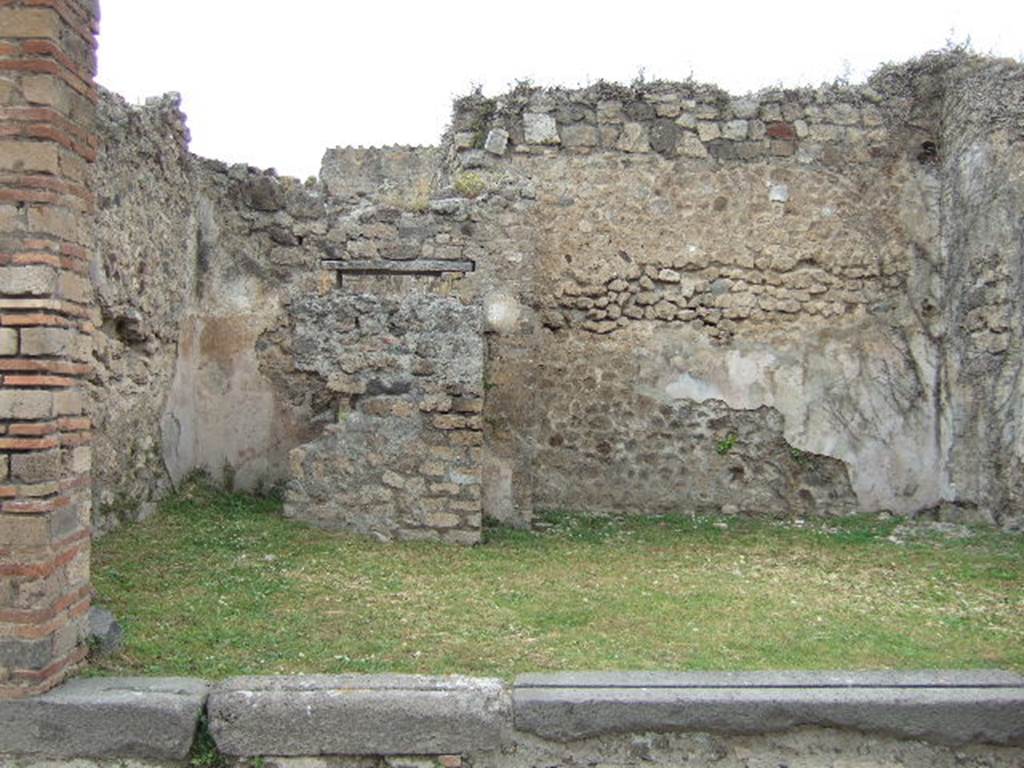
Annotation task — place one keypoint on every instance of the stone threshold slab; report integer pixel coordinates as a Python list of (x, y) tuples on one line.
[(141, 718), (943, 707), (358, 715)]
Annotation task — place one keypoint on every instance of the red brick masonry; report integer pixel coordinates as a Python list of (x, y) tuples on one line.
[(47, 144)]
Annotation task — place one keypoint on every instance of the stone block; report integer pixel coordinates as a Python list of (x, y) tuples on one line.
[(50, 342), (30, 22), (664, 137), (744, 108), (23, 654), (8, 342), (693, 147), (116, 718), (34, 467), (634, 138), (29, 157), (105, 633), (358, 715), (496, 142), (81, 459), (55, 221), (778, 193), (32, 281), (23, 404), (74, 287), (442, 520), (941, 707), (735, 130), (68, 402), (540, 128), (579, 135), (708, 131), (73, 166), (43, 89), (24, 532)]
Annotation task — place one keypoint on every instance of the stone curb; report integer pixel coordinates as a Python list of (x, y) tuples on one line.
[(358, 715), (382, 715), (942, 707), (143, 718)]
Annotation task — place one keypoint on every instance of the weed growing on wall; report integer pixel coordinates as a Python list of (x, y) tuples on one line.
[(726, 444), (469, 184)]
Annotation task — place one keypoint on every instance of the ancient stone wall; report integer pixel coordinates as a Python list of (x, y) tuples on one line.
[(728, 283), (237, 405), (144, 271), (193, 263), (982, 283), (800, 302), (403, 458)]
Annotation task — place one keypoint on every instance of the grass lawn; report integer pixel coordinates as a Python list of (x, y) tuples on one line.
[(218, 584)]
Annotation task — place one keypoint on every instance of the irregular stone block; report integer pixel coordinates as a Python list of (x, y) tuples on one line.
[(358, 715), (143, 718), (105, 630), (496, 142), (540, 128), (664, 135), (579, 135), (942, 707), (634, 138)]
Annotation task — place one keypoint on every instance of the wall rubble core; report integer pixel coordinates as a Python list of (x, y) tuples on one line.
[(48, 142), (800, 302)]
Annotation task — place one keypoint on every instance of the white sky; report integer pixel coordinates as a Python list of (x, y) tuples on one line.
[(274, 83)]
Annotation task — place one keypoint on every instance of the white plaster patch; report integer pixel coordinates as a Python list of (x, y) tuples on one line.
[(778, 193), (502, 312), (687, 387), (748, 378)]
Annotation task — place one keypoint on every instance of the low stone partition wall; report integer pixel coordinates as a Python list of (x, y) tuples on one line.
[(827, 719)]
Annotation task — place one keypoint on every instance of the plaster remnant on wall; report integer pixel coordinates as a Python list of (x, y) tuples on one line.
[(502, 312)]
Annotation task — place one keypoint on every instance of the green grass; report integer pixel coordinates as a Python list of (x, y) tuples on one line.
[(219, 584)]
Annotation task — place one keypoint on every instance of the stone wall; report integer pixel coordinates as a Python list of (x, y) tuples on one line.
[(692, 262), (194, 261), (799, 302), (144, 271), (647, 253), (403, 459), (982, 282), (237, 405)]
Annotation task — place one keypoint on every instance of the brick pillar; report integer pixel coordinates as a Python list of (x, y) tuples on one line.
[(47, 142)]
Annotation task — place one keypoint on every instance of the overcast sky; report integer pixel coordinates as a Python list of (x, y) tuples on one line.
[(274, 83)]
